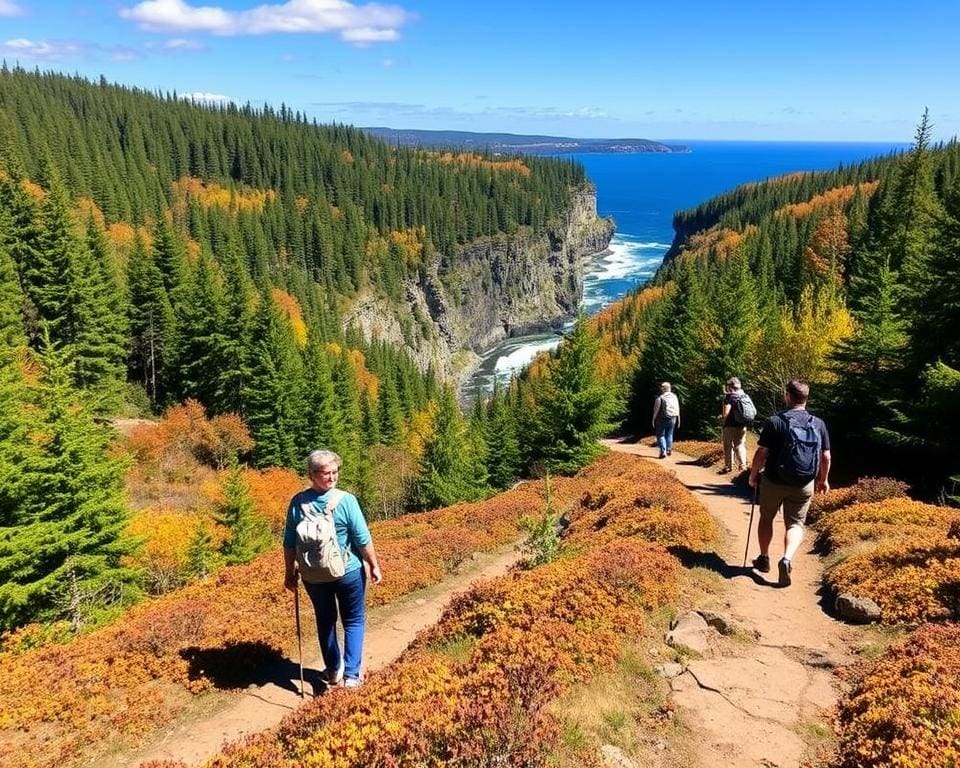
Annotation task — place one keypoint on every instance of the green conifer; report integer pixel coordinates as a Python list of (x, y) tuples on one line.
[(249, 532)]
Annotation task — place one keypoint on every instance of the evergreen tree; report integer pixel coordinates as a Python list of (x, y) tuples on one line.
[(573, 406), (201, 354), (11, 303), (201, 554), (249, 533), (324, 426), (445, 475), (503, 456), (389, 411), (152, 326), (275, 404), (68, 534)]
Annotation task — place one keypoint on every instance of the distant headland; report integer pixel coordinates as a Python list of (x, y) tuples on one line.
[(514, 142)]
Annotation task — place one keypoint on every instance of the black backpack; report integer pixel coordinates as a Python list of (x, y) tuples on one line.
[(799, 459)]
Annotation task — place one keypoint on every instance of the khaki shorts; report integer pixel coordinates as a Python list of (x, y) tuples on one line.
[(794, 499)]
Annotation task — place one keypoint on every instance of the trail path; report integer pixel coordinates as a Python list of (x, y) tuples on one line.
[(751, 704), (200, 734)]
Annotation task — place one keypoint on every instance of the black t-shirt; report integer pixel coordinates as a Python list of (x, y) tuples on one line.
[(729, 399), (775, 431)]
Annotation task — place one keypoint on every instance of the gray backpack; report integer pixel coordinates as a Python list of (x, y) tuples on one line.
[(319, 556)]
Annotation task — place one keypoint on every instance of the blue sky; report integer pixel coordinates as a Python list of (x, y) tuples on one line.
[(839, 70)]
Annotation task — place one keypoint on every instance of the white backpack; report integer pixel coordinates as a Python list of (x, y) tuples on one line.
[(319, 556), (669, 405)]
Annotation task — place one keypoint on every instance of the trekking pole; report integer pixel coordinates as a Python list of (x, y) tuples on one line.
[(296, 611), (753, 504)]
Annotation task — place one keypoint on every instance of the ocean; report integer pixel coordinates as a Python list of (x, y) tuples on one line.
[(641, 192)]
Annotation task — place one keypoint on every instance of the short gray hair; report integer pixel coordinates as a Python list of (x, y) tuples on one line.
[(317, 459), (733, 382), (665, 387)]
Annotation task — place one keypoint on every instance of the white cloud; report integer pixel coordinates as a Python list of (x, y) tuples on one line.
[(358, 24), (41, 50), (207, 98), (183, 44), (10, 8)]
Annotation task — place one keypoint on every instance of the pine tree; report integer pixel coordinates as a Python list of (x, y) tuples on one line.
[(201, 554), (201, 354), (69, 533), (11, 303), (324, 427), (389, 412), (445, 475), (249, 532), (503, 456), (275, 404), (573, 406), (153, 334)]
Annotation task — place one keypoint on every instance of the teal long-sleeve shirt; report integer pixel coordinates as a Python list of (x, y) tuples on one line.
[(351, 527)]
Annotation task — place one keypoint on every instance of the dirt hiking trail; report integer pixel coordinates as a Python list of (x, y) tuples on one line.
[(200, 734), (756, 704)]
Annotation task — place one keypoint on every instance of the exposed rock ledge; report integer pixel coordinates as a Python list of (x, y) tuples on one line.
[(498, 287)]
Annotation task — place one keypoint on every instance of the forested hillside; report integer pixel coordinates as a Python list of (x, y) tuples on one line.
[(850, 279), (155, 252)]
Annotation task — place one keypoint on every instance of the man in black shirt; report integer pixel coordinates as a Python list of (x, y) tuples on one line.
[(794, 453)]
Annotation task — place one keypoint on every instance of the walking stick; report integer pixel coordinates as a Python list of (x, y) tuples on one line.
[(296, 611), (753, 504)]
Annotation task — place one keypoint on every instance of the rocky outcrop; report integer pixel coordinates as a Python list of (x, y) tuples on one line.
[(492, 288)]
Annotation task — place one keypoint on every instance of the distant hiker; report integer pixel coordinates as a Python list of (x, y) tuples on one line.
[(666, 418), (794, 454), (324, 541), (737, 413)]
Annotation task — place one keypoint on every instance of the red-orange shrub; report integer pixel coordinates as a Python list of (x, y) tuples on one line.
[(905, 712), (894, 519)]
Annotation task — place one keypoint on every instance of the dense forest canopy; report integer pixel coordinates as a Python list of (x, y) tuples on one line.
[(155, 251)]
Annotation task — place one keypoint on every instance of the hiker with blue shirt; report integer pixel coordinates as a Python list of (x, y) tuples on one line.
[(327, 544), (794, 454)]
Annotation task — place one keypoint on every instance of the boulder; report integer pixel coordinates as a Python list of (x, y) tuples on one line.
[(689, 630), (859, 610), (668, 670), (723, 624), (614, 757)]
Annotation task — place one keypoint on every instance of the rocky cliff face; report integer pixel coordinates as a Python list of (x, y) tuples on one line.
[(494, 288)]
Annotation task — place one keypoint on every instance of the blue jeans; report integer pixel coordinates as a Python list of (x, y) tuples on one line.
[(347, 593), (665, 434)]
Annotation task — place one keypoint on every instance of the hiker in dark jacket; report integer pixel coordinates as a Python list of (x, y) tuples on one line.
[(794, 454)]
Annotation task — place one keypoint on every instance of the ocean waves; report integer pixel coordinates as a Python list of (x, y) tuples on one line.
[(628, 261)]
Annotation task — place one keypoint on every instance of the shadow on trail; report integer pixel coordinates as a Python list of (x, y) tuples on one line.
[(245, 664), (711, 561)]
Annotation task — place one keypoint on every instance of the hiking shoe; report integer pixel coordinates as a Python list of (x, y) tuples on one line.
[(724, 471), (334, 678), (352, 682), (662, 456), (762, 563), (785, 568)]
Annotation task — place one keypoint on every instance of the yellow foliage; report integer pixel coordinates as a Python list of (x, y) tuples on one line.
[(291, 309), (420, 430), (367, 381), (34, 190), (801, 344), (213, 195), (472, 160), (410, 242), (832, 198), (87, 210)]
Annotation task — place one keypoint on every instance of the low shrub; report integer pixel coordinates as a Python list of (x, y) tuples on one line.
[(706, 453), (893, 519), (864, 491), (905, 712), (911, 581)]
